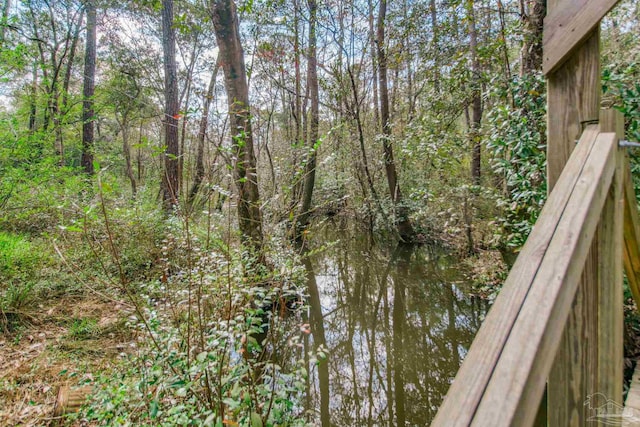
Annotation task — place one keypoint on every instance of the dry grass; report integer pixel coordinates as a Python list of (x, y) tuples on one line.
[(63, 343)]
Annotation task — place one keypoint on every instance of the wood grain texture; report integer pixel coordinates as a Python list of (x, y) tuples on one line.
[(568, 24), (609, 294), (513, 394), (573, 99), (464, 396)]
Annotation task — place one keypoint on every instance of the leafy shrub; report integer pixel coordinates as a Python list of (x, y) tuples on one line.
[(219, 338), (517, 144)]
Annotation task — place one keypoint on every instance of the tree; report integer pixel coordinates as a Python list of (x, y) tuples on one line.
[(314, 120), (476, 95), (225, 22), (170, 178), (531, 51), (402, 218), (89, 89), (202, 133)]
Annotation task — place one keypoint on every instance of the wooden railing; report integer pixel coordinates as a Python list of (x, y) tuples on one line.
[(503, 378)]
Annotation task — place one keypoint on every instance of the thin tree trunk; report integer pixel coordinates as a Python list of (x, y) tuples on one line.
[(402, 220), (202, 133), (139, 154), (476, 96), (225, 22), (436, 46), (72, 56), (312, 140), (170, 177), (374, 63), (88, 90), (126, 149), (297, 108), (185, 119), (33, 101)]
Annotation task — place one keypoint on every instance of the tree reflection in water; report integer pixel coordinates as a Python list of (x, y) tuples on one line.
[(397, 323)]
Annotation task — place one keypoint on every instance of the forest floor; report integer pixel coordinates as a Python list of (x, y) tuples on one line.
[(66, 341)]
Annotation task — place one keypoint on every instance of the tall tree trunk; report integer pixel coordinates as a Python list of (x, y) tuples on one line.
[(72, 56), (402, 219), (186, 95), (312, 135), (374, 63), (296, 189), (202, 133), (33, 99), (531, 52), (436, 46), (225, 22), (170, 178), (89, 89), (126, 149), (476, 95)]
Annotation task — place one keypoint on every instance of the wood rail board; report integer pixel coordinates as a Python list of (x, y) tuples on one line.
[(465, 393), (631, 236), (517, 383), (608, 292), (567, 25)]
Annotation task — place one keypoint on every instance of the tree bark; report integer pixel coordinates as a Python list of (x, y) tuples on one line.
[(531, 52), (436, 46), (170, 178), (476, 96), (88, 89), (312, 135), (126, 149), (402, 220), (202, 133), (225, 22)]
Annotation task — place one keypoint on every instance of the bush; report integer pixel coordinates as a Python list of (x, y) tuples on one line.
[(517, 145), (219, 338)]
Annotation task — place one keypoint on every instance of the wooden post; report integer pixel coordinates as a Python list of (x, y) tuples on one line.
[(609, 373), (573, 97)]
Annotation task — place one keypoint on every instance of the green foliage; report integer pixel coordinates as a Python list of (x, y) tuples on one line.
[(83, 328), (517, 146), (208, 333), (19, 260), (620, 82), (18, 257)]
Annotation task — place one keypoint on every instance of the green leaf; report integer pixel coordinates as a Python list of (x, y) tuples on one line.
[(154, 408), (256, 420)]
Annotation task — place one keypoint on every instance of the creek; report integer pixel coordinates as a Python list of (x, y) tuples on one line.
[(396, 322)]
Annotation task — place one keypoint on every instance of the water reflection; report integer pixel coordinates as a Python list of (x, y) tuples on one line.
[(397, 322)]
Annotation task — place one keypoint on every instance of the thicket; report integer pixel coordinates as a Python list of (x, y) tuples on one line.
[(216, 326)]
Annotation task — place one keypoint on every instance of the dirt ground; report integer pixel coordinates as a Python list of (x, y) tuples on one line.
[(64, 343)]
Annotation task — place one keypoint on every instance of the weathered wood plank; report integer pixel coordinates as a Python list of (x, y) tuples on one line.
[(609, 296), (609, 373), (466, 391), (517, 383), (571, 104), (573, 101), (567, 25)]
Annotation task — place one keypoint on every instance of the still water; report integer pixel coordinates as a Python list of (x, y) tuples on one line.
[(396, 320)]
